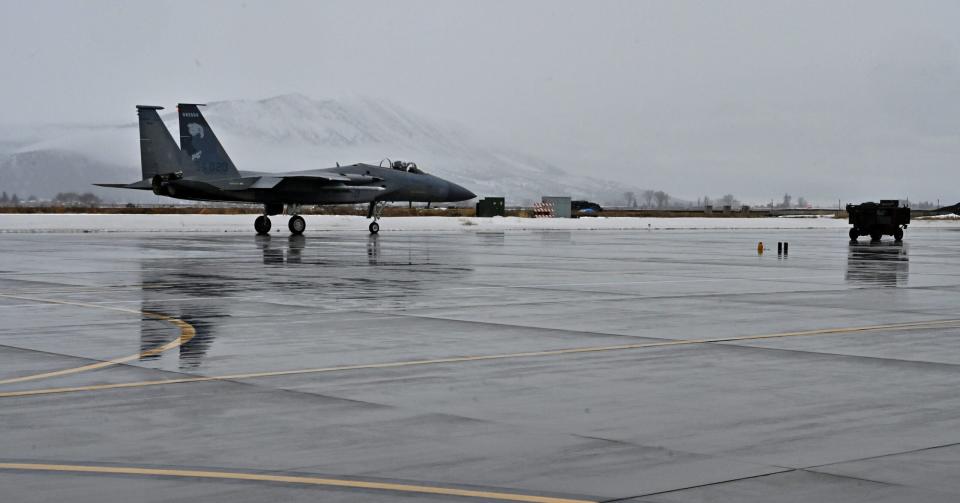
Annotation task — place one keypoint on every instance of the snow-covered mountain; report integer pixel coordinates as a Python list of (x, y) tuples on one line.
[(291, 132)]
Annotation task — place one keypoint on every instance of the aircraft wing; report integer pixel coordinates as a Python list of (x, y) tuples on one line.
[(274, 179), (329, 176), (946, 210)]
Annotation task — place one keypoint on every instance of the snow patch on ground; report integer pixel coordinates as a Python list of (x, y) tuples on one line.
[(948, 216), (19, 223)]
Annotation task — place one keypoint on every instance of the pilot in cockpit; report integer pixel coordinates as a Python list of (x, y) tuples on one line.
[(409, 167)]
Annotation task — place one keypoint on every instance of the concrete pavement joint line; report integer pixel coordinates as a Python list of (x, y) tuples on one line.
[(698, 486), (880, 456), (290, 479), (459, 359), (187, 332)]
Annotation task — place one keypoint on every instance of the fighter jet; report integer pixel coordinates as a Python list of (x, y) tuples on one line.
[(200, 170)]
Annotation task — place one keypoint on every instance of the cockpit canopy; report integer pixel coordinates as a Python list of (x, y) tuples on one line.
[(409, 167)]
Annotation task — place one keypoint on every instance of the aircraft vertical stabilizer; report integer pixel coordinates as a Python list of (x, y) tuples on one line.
[(199, 142), (159, 154)]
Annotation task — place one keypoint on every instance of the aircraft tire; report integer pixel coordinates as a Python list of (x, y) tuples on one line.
[(262, 225), (854, 233), (898, 235), (297, 225), (374, 227)]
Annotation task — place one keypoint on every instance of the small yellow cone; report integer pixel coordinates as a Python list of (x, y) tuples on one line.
[(760, 248)]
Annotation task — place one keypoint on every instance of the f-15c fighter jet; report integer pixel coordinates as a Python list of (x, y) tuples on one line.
[(201, 170)]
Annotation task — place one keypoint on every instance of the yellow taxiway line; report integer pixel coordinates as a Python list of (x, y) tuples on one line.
[(187, 332), (459, 359), (290, 479)]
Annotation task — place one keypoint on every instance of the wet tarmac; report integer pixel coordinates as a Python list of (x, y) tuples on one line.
[(663, 366)]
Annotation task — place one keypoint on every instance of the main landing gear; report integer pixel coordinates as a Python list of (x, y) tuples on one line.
[(296, 224), (262, 225), (375, 212)]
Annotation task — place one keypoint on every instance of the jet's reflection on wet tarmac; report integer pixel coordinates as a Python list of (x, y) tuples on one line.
[(206, 285), (878, 264), (192, 282), (275, 253), (373, 249)]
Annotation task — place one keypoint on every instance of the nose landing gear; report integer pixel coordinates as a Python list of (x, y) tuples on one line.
[(375, 212)]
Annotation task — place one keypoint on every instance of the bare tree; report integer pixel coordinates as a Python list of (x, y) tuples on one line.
[(631, 199), (648, 196), (89, 199), (662, 198), (729, 200), (801, 202)]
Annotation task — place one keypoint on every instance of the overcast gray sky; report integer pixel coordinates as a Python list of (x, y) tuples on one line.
[(823, 99)]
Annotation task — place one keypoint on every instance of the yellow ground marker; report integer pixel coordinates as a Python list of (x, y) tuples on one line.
[(459, 359), (187, 332), (290, 479)]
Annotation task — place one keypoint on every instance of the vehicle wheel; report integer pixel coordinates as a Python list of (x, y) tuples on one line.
[(854, 233), (875, 236), (262, 224), (374, 227), (898, 235), (297, 225)]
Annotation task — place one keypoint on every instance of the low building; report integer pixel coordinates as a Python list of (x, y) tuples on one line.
[(561, 205)]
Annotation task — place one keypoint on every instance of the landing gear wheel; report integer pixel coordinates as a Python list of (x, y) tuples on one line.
[(297, 225), (898, 235), (262, 225), (854, 233), (875, 236), (374, 227)]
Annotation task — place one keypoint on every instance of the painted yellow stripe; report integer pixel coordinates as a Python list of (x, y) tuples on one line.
[(459, 359), (187, 332), (291, 479)]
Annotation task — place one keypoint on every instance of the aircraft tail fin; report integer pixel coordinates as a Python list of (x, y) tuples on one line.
[(159, 153), (199, 142)]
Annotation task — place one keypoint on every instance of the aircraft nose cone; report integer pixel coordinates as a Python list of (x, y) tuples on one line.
[(458, 193)]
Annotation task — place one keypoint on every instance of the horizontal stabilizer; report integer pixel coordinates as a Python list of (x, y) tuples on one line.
[(141, 185)]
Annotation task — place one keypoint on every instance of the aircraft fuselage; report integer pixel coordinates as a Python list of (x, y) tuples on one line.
[(370, 183)]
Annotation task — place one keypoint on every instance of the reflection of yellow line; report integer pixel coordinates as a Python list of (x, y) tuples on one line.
[(458, 359), (290, 479), (186, 333)]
